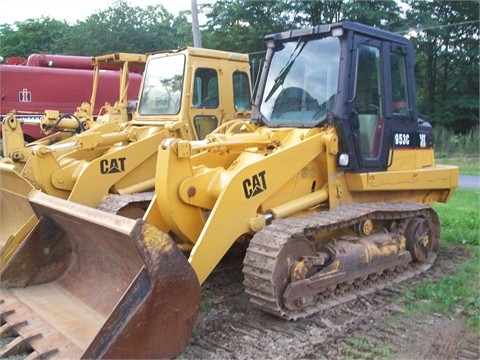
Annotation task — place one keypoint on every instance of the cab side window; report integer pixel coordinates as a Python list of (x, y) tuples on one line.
[(368, 100), (241, 91), (205, 92), (400, 104)]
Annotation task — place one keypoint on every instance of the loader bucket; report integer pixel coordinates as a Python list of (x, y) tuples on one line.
[(16, 213), (88, 284)]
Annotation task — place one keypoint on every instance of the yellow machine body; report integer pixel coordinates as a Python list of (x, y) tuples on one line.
[(250, 181)]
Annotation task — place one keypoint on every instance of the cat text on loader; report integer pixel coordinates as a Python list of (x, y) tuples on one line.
[(333, 187), (184, 93)]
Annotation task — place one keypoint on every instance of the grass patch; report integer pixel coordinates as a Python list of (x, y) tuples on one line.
[(206, 305), (460, 218), (452, 295), (447, 144), (363, 348), (459, 293), (468, 165), (462, 150)]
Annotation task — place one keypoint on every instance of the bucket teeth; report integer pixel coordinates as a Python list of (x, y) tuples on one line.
[(11, 326), (10, 329), (18, 345), (30, 334), (97, 285)]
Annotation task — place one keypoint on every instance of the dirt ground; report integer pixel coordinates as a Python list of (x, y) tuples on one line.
[(373, 326)]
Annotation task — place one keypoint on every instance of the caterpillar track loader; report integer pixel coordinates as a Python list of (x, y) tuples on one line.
[(331, 183), (185, 94)]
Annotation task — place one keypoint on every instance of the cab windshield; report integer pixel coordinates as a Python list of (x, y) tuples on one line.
[(302, 82), (162, 86)]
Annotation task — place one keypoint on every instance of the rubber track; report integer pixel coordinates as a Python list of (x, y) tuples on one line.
[(265, 246)]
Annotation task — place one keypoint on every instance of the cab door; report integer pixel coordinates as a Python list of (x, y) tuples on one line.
[(205, 110), (383, 110), (219, 91), (369, 120)]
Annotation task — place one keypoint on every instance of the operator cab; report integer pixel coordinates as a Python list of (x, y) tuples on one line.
[(207, 87), (358, 78)]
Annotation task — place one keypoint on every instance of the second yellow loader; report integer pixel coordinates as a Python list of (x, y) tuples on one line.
[(184, 93)]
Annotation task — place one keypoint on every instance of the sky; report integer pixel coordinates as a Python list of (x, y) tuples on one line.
[(71, 11)]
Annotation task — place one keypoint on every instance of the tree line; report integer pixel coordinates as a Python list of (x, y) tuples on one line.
[(445, 35)]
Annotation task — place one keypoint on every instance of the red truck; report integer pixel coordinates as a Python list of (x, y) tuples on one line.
[(56, 82)]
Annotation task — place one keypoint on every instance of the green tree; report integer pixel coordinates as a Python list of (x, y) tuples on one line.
[(315, 12), (43, 35), (447, 37), (241, 26), (183, 30), (385, 14), (123, 28)]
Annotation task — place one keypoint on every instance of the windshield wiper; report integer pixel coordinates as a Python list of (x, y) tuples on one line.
[(286, 69)]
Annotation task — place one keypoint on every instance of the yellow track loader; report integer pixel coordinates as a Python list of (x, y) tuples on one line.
[(331, 183), (184, 93)]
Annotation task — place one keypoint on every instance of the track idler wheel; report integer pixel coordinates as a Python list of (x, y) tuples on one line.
[(290, 263), (419, 238)]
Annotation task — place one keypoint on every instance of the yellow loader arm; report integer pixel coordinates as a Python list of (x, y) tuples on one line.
[(236, 192)]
